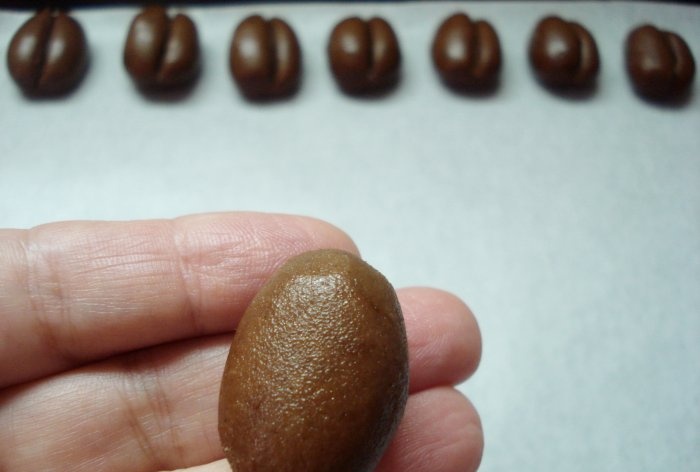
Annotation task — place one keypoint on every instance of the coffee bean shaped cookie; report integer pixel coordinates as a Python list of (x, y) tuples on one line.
[(466, 53), (659, 63), (265, 58), (162, 52), (48, 55), (364, 55), (563, 54)]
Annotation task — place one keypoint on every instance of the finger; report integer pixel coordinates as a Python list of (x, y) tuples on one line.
[(443, 337), (80, 291), (156, 409), (440, 432)]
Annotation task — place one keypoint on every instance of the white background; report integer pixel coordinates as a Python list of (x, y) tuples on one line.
[(570, 225)]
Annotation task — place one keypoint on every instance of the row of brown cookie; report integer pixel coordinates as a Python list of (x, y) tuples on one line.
[(48, 55)]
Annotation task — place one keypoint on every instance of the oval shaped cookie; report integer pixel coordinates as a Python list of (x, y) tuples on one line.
[(317, 376)]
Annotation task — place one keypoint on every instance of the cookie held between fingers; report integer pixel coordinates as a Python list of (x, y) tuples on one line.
[(317, 376)]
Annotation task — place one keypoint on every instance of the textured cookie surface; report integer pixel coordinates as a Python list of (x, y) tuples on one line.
[(317, 375)]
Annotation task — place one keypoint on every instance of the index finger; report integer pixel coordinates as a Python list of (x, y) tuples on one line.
[(75, 292)]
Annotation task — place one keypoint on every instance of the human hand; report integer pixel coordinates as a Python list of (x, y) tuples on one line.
[(113, 339)]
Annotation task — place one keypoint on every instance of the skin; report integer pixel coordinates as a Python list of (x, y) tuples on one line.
[(113, 338)]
